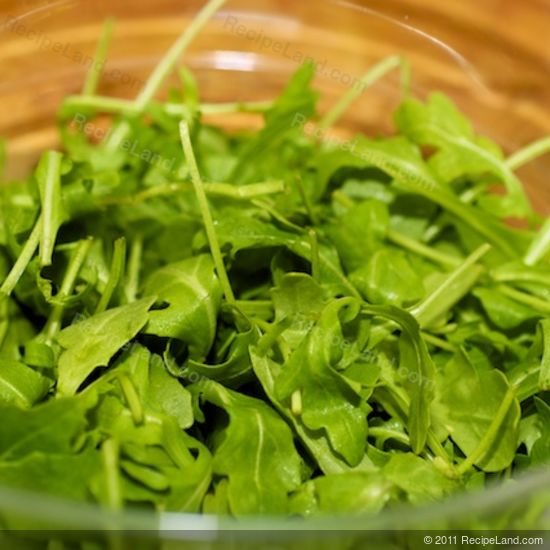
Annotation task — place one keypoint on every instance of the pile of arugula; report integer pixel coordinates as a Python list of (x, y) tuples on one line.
[(270, 322)]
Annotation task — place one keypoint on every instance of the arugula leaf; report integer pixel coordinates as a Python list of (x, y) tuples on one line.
[(51, 427), (418, 479), (474, 401), (402, 160), (60, 475), (302, 325), (351, 493), (389, 279), (234, 368), (460, 152), (540, 453), (359, 233), (157, 389), (504, 312), (259, 481), (189, 294), (20, 384), (329, 402), (297, 100), (93, 342)]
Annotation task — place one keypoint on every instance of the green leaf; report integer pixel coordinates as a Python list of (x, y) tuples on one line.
[(158, 390), (93, 342), (257, 453), (504, 312), (460, 152), (389, 279), (21, 385), (418, 479), (417, 362), (359, 233), (472, 399), (329, 401), (349, 494), (402, 160), (234, 368), (190, 295), (540, 453), (296, 104), (315, 441), (61, 475), (49, 428)]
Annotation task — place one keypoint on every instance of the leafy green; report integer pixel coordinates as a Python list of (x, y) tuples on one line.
[(272, 321), (256, 453), (460, 153), (473, 399), (20, 384), (189, 295), (91, 343)]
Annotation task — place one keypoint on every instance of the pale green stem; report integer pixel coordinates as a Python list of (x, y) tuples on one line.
[(375, 74), (422, 250), (29, 248), (96, 69), (315, 258), (115, 274), (110, 451), (206, 214), (163, 69), (53, 324), (524, 298), (115, 106), (167, 64), (49, 197), (134, 268), (132, 398), (438, 342), (529, 153), (540, 246), (418, 311)]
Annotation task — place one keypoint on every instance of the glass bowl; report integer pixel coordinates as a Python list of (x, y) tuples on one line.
[(247, 53)]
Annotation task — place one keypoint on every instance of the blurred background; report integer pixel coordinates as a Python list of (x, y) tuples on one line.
[(491, 56)]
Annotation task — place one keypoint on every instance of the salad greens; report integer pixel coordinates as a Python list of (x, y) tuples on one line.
[(270, 322)]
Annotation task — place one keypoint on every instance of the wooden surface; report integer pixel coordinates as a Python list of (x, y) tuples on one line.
[(491, 56)]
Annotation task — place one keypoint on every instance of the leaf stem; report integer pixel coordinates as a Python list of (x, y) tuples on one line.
[(134, 268), (50, 197), (115, 274), (163, 69), (540, 245), (132, 398), (490, 435), (422, 250), (115, 106), (110, 451), (206, 214), (315, 259), (96, 69), (529, 153), (373, 75), (53, 323), (524, 298), (437, 342), (23, 260), (420, 310), (167, 64)]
